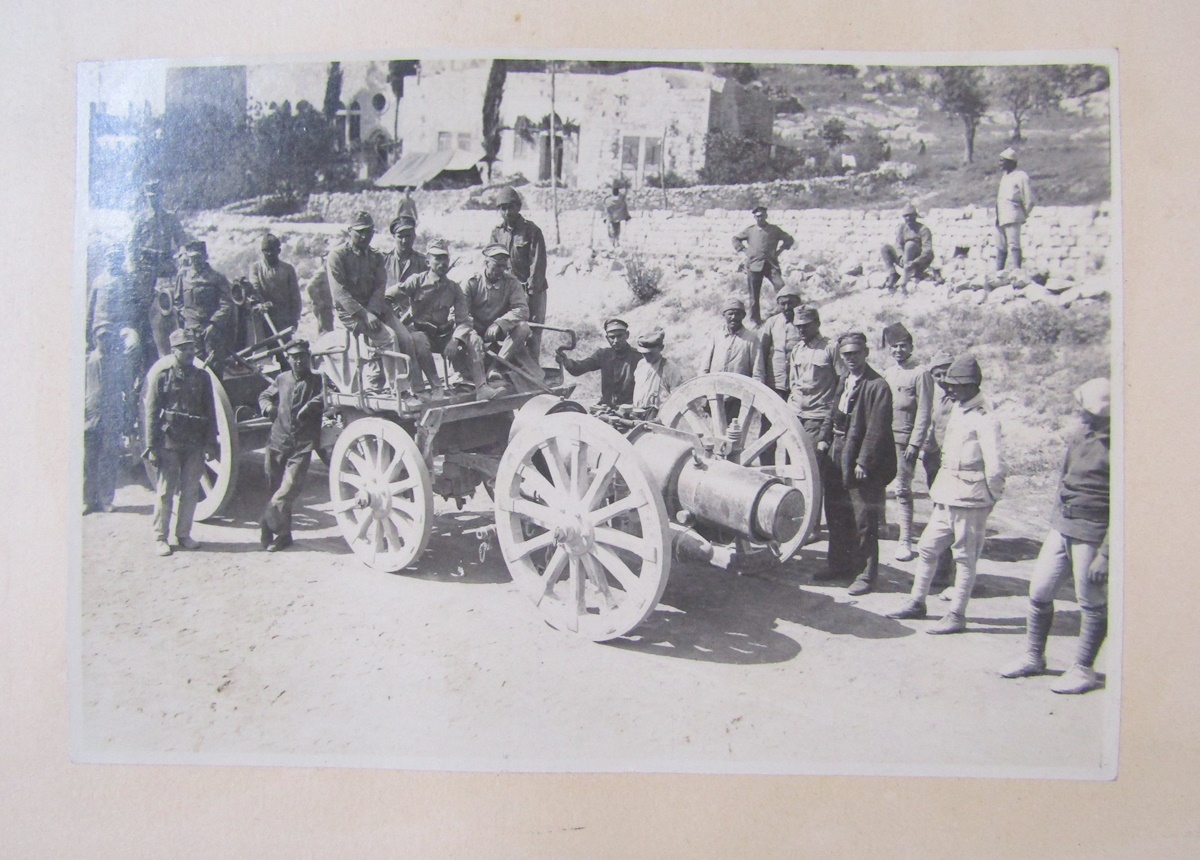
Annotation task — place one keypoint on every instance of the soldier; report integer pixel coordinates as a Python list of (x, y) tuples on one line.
[(320, 297), (1014, 202), (499, 310), (616, 211), (203, 304), (111, 301), (780, 334), (357, 280), (527, 256), (1076, 543), (968, 486), (858, 435), (912, 403), (441, 320), (931, 457), (154, 242), (735, 348), (762, 243), (402, 262), (813, 377), (294, 400), (179, 429), (655, 376), (275, 283), (616, 362), (912, 253)]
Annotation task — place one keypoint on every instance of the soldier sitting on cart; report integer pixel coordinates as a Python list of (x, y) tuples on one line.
[(441, 321), (616, 363), (276, 287), (499, 311), (203, 304)]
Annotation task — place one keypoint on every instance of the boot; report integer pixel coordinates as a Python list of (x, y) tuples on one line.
[(914, 609), (904, 551), (862, 585), (951, 622), (1078, 679), (1041, 617)]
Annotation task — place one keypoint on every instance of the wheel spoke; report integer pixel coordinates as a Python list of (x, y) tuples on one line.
[(530, 510), (354, 480), (749, 455), (538, 484), (578, 468), (631, 502), (578, 598), (525, 548), (608, 462), (398, 487), (554, 462), (596, 575), (343, 505), (716, 411), (698, 422), (620, 571), (360, 464), (630, 543), (397, 459), (363, 525), (553, 573), (391, 535)]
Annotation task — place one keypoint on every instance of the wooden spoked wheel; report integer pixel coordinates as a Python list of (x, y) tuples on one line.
[(582, 529), (381, 494), (773, 440)]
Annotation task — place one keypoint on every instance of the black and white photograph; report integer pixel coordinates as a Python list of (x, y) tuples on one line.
[(735, 413)]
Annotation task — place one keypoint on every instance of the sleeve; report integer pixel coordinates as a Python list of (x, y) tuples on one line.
[(337, 287), (153, 404), (926, 256), (292, 290), (786, 240), (537, 267), (256, 279), (826, 434), (707, 361), (463, 324), (269, 397), (318, 290), (518, 307), (378, 302), (758, 364), (924, 417), (584, 365), (780, 360), (739, 240), (878, 427), (994, 467), (399, 295), (224, 312)]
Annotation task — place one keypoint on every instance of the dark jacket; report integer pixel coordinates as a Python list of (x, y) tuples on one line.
[(527, 252), (179, 406), (616, 372), (868, 430), (297, 406), (1082, 511)]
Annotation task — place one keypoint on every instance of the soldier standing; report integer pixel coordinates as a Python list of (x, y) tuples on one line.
[(762, 243), (780, 334), (912, 403), (179, 429), (294, 400), (203, 304), (154, 241), (616, 362), (1014, 202), (735, 349), (276, 284), (616, 211), (526, 248)]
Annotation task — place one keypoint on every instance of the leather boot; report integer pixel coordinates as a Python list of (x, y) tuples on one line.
[(951, 622), (1041, 617)]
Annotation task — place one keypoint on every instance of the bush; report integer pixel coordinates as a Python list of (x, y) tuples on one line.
[(643, 278), (872, 149), (734, 160), (673, 180)]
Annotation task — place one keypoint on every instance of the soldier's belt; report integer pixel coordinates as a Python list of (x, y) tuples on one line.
[(1091, 513), (184, 422)]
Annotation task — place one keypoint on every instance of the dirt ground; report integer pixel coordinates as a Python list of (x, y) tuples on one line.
[(230, 654)]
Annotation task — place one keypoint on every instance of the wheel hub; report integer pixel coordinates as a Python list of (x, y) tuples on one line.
[(575, 536)]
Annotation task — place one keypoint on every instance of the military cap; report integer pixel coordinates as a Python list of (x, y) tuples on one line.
[(297, 346), (1095, 396), (964, 370), (181, 336), (732, 304), (196, 245), (496, 252), (807, 314), (651, 340), (942, 358), (1009, 155), (438, 248), (403, 224), (507, 195), (362, 221), (855, 339), (615, 324), (270, 240), (909, 209), (896, 333), (759, 208), (788, 291)]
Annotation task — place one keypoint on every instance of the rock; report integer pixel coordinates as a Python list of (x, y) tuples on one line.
[(1056, 286), (617, 266), (1035, 293), (1094, 289), (959, 286), (1039, 276), (1019, 281), (877, 280), (980, 296), (852, 268), (809, 267)]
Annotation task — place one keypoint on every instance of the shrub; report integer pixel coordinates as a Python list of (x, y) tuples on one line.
[(673, 180), (872, 149), (643, 278)]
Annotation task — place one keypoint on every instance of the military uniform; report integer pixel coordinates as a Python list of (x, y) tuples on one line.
[(154, 241), (203, 304), (278, 285), (441, 322), (527, 255)]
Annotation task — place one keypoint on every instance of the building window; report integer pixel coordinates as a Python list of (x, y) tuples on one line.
[(464, 141), (653, 147), (629, 153), (379, 102), (445, 141), (354, 122), (522, 148)]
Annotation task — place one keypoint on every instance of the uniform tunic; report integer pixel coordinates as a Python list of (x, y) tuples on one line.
[(739, 352), (202, 298), (763, 245), (503, 302), (912, 402), (616, 368), (653, 381), (357, 280), (527, 252), (779, 338), (294, 434), (973, 469), (439, 306), (814, 378), (278, 285), (401, 268), (1014, 198)]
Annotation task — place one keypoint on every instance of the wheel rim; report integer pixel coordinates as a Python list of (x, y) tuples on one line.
[(701, 406), (218, 481), (381, 493), (582, 529)]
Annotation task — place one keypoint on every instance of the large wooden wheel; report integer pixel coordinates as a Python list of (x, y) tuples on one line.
[(582, 529), (381, 493), (773, 440)]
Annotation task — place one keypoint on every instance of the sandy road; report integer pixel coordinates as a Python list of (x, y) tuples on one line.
[(231, 654)]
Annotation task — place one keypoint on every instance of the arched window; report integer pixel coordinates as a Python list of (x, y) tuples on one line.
[(379, 102), (354, 122)]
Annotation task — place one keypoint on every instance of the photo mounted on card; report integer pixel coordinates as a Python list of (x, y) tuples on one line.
[(583, 412)]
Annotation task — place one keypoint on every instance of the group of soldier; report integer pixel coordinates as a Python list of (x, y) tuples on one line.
[(869, 429)]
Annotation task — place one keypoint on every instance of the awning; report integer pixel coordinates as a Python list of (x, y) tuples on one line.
[(417, 168)]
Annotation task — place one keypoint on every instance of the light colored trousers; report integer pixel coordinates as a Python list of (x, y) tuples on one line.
[(1061, 555), (961, 529), (1008, 245), (179, 471)]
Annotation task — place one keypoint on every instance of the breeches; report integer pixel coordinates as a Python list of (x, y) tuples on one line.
[(964, 531), (179, 471), (285, 480), (1061, 555)]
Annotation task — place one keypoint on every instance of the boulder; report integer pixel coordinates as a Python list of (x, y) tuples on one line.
[(877, 280), (1056, 286), (960, 286), (852, 268), (1094, 289)]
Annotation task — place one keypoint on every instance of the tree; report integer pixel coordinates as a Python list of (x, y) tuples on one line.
[(833, 132), (493, 94), (1026, 90), (398, 70), (292, 153), (962, 91), (333, 90)]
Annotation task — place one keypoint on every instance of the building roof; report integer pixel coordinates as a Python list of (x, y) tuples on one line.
[(417, 168)]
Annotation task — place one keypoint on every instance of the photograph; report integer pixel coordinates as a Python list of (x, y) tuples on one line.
[(642, 412)]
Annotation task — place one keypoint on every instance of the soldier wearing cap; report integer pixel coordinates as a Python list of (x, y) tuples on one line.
[(441, 320), (1076, 544), (812, 373), (499, 308), (762, 243), (358, 281), (735, 349), (910, 257), (912, 410), (655, 376), (858, 436), (179, 429), (203, 303), (780, 334), (526, 248), (154, 242), (616, 211), (403, 261), (295, 402), (931, 456), (112, 329), (616, 362), (276, 284), (968, 485), (1014, 202)]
